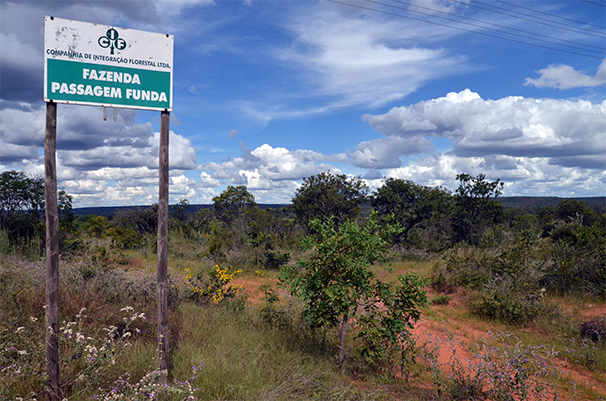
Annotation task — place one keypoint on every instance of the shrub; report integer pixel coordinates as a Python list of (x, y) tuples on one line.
[(338, 289), (501, 368), (500, 299), (468, 267), (123, 237), (215, 285), (442, 299), (577, 261), (271, 313), (594, 329)]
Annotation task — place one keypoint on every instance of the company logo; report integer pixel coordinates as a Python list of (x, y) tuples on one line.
[(112, 40)]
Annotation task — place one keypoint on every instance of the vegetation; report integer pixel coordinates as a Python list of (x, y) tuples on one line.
[(476, 207), (342, 295), (327, 195), (410, 205), (338, 289)]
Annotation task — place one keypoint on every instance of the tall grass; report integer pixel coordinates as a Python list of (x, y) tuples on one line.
[(247, 359), (242, 356)]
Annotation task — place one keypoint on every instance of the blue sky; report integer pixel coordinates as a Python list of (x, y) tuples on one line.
[(269, 92)]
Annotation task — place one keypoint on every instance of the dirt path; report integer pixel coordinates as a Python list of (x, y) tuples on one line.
[(467, 334), (464, 333)]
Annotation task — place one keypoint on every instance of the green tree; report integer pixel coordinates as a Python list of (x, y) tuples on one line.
[(97, 225), (475, 206), (570, 209), (180, 209), (144, 220), (338, 289), (230, 202), (329, 195), (410, 204), (22, 206)]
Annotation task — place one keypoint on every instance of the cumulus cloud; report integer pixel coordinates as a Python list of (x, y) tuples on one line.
[(566, 133), (565, 77), (268, 168), (523, 176), (91, 153), (386, 152)]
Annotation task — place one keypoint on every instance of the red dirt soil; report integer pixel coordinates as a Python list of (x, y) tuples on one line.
[(464, 331)]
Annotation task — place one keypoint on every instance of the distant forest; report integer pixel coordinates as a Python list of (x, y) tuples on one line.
[(526, 203)]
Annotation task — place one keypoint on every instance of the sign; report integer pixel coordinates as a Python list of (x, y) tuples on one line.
[(101, 65)]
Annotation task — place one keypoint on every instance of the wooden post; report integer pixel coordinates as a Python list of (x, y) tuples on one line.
[(162, 274), (52, 254)]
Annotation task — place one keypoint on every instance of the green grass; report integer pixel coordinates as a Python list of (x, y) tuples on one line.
[(243, 357), (390, 271)]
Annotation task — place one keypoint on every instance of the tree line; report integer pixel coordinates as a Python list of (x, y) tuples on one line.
[(431, 218)]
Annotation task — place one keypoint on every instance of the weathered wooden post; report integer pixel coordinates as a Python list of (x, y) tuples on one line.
[(52, 254), (162, 272)]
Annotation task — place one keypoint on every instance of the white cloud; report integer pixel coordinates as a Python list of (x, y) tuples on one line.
[(206, 181), (364, 60), (386, 152), (271, 174), (523, 176), (565, 77), (567, 133)]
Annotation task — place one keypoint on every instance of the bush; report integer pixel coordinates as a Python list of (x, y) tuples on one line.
[(577, 260), (503, 369), (213, 285), (123, 237), (467, 267), (594, 329), (442, 299), (501, 299)]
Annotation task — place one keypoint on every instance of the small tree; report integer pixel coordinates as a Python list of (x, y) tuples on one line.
[(180, 209), (232, 201), (475, 206), (410, 204), (329, 195), (22, 206), (337, 288)]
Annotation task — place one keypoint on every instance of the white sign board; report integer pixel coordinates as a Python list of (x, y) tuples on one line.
[(102, 65)]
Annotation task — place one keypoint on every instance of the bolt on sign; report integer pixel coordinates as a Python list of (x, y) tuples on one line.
[(100, 65)]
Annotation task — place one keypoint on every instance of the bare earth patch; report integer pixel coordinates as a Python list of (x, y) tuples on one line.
[(465, 332)]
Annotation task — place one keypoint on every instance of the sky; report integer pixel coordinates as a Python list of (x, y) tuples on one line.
[(268, 92)]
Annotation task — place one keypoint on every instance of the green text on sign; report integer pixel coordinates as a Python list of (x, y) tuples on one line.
[(75, 82)]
